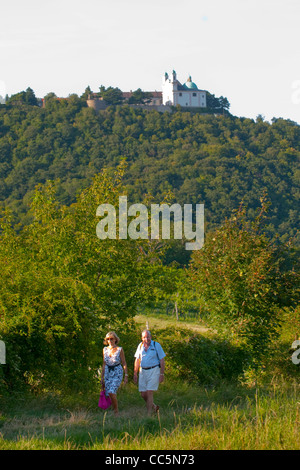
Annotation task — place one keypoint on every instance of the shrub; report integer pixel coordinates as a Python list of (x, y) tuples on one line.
[(200, 359)]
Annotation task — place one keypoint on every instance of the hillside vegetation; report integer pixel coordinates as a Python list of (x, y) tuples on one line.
[(214, 160), (62, 287)]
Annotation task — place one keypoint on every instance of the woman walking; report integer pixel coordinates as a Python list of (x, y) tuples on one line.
[(112, 371)]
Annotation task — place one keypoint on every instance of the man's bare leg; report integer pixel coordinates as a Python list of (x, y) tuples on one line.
[(148, 397)]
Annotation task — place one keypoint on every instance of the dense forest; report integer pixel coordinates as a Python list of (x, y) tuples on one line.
[(217, 160)]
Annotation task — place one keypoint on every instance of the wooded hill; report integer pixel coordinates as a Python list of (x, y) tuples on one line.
[(215, 160)]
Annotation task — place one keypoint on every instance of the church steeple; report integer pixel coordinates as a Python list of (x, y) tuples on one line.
[(185, 95)]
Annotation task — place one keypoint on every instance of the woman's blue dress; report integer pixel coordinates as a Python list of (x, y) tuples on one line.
[(113, 374)]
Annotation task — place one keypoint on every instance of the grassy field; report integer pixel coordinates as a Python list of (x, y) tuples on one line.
[(190, 418), (227, 416)]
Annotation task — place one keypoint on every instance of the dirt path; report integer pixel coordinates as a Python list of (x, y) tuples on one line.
[(152, 322)]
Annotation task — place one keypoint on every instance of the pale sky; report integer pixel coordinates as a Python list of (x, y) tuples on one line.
[(246, 50)]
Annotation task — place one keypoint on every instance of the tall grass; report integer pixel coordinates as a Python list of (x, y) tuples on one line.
[(205, 404), (190, 418)]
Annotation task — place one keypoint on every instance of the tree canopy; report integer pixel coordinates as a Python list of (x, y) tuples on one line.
[(214, 160), (240, 279), (61, 287), (111, 95), (140, 97)]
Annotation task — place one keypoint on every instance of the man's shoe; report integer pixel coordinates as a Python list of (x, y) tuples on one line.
[(156, 408)]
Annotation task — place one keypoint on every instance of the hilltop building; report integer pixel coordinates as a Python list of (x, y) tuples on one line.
[(186, 95), (155, 100), (173, 93)]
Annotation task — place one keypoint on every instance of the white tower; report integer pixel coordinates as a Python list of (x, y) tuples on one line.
[(186, 95), (168, 88)]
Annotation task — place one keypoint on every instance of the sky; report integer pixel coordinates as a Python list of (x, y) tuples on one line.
[(245, 50)]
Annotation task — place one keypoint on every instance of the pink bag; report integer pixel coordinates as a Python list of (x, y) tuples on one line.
[(104, 401)]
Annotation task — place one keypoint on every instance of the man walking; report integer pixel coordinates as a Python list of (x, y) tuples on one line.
[(150, 362)]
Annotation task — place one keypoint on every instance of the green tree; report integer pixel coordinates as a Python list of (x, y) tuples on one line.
[(23, 97), (140, 97), (224, 103), (111, 95), (87, 93), (61, 287), (215, 103), (241, 282), (30, 97)]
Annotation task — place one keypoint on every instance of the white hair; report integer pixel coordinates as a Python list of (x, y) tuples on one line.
[(147, 331)]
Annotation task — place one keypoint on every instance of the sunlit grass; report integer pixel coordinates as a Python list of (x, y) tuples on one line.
[(190, 418), (227, 415), (157, 321)]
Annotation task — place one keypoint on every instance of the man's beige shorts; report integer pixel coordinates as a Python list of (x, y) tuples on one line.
[(149, 379)]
